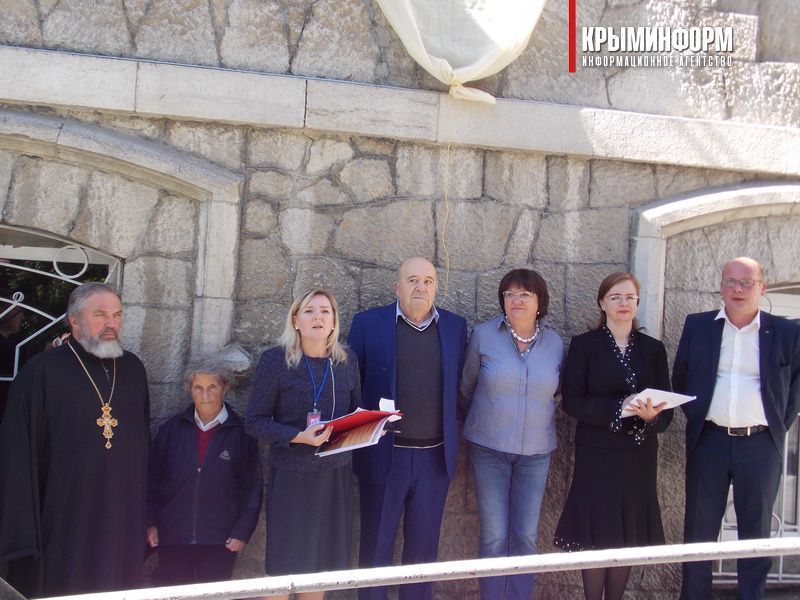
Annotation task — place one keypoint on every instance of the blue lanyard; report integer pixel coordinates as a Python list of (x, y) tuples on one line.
[(317, 391)]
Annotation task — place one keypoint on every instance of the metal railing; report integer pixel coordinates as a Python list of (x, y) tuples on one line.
[(461, 569)]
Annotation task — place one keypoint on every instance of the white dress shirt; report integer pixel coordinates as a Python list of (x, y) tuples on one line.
[(737, 393), (221, 417)]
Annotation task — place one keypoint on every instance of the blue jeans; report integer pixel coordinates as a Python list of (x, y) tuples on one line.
[(509, 489)]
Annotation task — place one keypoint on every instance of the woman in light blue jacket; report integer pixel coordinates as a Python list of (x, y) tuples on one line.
[(510, 379)]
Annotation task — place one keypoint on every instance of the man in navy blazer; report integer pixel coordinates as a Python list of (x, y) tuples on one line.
[(410, 352), (744, 367)]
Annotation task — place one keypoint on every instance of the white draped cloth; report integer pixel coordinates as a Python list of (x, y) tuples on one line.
[(458, 41)]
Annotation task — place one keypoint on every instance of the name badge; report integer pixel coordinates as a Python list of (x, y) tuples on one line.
[(313, 417)]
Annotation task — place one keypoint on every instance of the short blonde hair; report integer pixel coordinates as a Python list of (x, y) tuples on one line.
[(290, 338)]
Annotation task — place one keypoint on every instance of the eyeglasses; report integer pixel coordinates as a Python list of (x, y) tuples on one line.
[(618, 298), (730, 282), (525, 297)]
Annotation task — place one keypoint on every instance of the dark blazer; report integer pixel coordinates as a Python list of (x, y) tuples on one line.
[(373, 339), (593, 382), (697, 360), (207, 505)]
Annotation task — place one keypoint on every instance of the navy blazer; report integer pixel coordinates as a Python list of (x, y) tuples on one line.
[(373, 339), (697, 360)]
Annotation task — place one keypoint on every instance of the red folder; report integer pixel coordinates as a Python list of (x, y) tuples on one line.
[(358, 418)]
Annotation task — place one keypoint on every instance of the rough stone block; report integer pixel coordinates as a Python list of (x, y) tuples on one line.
[(139, 126), (219, 144), (567, 183), (486, 295), (745, 34), (675, 181), (540, 72), (327, 153), (173, 228), (154, 280), (621, 184), (271, 184), (470, 225), (20, 24), (517, 178), (217, 249), (677, 304), (108, 197), (6, 166), (212, 323), (177, 31), (96, 26), (259, 218), (581, 294), (521, 240), (766, 93), (161, 339), (779, 22), (259, 323), (337, 42), (456, 292), (784, 240), (584, 236), (135, 11), (746, 7), (263, 269), (332, 275), (368, 178), (386, 235), (45, 195), (255, 37), (375, 147), (680, 92), (167, 399), (305, 231), (421, 171), (377, 287), (277, 148), (323, 192)]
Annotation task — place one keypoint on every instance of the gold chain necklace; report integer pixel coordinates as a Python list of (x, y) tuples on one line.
[(106, 421)]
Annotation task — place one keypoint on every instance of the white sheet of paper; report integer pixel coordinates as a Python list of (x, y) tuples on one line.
[(657, 396), (386, 405)]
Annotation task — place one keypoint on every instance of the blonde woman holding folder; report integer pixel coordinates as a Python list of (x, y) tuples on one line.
[(612, 502), (306, 380)]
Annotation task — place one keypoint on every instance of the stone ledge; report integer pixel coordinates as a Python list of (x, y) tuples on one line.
[(219, 95)]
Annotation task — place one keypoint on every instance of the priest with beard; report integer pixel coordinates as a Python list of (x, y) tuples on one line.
[(73, 459)]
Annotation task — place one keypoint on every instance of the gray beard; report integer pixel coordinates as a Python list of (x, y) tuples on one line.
[(98, 347)]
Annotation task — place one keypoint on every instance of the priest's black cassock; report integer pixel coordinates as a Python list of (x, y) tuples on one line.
[(71, 510)]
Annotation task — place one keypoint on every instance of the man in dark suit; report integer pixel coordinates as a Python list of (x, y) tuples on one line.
[(744, 367), (410, 352)]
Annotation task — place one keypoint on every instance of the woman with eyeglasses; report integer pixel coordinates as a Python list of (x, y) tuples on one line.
[(509, 382), (612, 502)]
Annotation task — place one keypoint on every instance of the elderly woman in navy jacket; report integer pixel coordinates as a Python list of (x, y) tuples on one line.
[(204, 484)]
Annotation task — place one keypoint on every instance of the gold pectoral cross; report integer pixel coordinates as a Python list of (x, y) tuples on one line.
[(107, 422)]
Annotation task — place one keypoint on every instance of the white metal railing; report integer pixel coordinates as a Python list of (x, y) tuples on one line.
[(461, 569)]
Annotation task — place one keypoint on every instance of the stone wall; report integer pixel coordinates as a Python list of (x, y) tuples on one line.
[(351, 40), (342, 212)]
